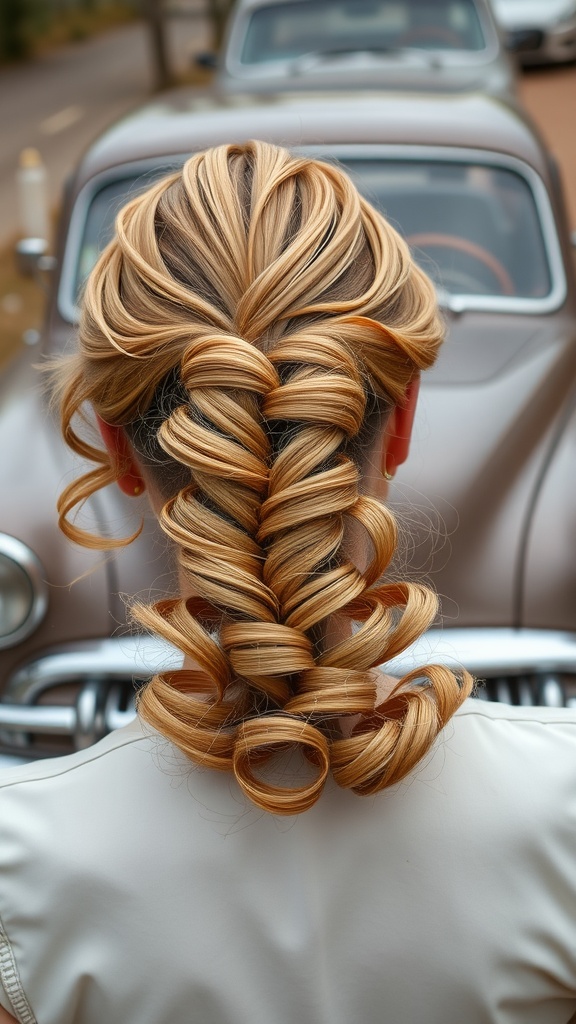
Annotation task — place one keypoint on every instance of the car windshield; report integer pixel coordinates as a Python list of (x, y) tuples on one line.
[(474, 228), (286, 31)]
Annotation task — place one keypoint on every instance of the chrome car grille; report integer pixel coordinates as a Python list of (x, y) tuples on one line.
[(525, 39), (71, 696), (544, 689)]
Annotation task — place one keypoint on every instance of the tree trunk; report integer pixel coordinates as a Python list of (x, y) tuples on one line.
[(155, 17), (14, 40), (218, 11)]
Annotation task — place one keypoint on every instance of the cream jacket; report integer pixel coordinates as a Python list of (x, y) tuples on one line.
[(135, 889)]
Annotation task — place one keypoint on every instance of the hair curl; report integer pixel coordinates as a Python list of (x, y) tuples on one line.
[(250, 323)]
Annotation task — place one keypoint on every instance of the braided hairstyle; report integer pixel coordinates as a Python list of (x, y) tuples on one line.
[(250, 326)]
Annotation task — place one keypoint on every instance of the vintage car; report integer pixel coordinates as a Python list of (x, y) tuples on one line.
[(444, 45), (486, 499)]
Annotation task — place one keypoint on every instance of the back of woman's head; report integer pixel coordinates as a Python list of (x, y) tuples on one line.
[(251, 325)]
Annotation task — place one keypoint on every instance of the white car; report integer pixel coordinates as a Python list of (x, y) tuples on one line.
[(539, 32)]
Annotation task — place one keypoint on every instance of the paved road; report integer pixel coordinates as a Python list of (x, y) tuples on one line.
[(61, 101), (550, 96)]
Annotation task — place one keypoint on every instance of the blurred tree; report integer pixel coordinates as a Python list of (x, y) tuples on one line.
[(29, 25), (14, 35), (24, 22), (218, 11), (155, 14)]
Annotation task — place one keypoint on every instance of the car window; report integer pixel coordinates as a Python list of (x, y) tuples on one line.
[(98, 224), (474, 228), (289, 30)]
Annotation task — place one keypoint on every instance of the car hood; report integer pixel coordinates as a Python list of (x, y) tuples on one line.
[(401, 69)]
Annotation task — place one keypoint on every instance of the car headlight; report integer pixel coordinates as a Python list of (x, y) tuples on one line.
[(23, 591), (565, 19)]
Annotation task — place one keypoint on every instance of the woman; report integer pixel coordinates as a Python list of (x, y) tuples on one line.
[(251, 344)]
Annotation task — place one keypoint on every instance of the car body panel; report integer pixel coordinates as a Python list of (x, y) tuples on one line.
[(548, 592), (30, 511), (182, 121), (510, 421), (84, 587)]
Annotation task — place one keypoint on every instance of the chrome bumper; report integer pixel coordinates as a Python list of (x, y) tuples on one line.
[(518, 666), (100, 679), (528, 667)]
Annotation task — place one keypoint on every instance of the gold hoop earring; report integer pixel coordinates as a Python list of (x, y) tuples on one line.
[(389, 468)]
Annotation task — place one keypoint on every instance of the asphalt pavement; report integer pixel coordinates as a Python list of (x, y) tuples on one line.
[(59, 102)]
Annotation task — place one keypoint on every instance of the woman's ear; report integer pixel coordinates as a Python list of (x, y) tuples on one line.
[(129, 478), (398, 431)]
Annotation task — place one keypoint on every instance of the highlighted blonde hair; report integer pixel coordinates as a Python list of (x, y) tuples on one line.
[(253, 320)]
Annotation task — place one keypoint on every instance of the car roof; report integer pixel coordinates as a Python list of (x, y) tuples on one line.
[(188, 120), (246, 5)]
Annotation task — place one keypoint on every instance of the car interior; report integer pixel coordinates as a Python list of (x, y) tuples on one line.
[(475, 229)]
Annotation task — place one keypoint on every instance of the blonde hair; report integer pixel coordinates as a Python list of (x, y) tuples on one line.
[(250, 323)]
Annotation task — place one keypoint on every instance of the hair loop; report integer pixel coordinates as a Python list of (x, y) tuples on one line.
[(192, 445), (329, 691), (318, 397), (258, 740), (226, 361), (317, 347), (266, 649)]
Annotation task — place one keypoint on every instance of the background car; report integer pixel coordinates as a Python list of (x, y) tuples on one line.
[(486, 499), (348, 44), (540, 33)]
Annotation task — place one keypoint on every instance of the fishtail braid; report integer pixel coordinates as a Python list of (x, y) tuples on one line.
[(276, 318)]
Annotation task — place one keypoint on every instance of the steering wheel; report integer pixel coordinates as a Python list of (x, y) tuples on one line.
[(477, 252), (430, 33)]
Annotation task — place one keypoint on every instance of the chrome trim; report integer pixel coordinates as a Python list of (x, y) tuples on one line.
[(456, 154), (54, 721), (107, 673), (491, 652), (524, 666), (29, 562), (456, 303), (112, 659), (66, 303)]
